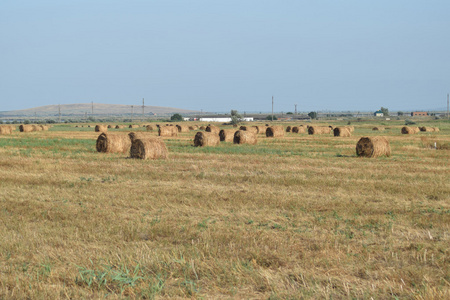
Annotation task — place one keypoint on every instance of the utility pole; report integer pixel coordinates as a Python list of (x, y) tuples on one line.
[(295, 108), (272, 108), (59, 112), (132, 113), (447, 107), (143, 105)]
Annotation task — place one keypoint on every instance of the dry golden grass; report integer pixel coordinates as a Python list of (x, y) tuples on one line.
[(293, 217)]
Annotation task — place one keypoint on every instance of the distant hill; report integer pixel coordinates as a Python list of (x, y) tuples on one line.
[(100, 109)]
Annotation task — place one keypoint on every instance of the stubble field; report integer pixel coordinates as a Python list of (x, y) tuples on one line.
[(288, 218)]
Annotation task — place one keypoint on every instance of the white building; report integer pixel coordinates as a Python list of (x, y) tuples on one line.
[(222, 119)]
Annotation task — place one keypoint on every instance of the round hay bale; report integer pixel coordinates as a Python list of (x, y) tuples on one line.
[(298, 129), (37, 127), (202, 128), (318, 130), (227, 135), (350, 128), (148, 148), (193, 127), (110, 126), (133, 126), (261, 129), (44, 128), (5, 130), (138, 135), (374, 146), (427, 129), (26, 128), (435, 129), (244, 137), (410, 130), (101, 128), (213, 128), (252, 129), (378, 128), (183, 128), (113, 143), (341, 131), (204, 138), (120, 126), (150, 127), (275, 131), (168, 131), (288, 129)]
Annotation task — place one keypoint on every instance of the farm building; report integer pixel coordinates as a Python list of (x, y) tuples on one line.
[(378, 113), (419, 113)]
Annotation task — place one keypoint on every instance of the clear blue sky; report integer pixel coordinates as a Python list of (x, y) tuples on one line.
[(222, 55)]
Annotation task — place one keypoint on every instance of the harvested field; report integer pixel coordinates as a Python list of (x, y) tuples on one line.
[(299, 217)]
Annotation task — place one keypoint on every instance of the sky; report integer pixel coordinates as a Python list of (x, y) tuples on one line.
[(322, 55)]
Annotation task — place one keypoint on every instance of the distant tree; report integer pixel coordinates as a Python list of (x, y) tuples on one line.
[(385, 111), (269, 117), (26, 122), (289, 113), (400, 113), (176, 117), (313, 115), (91, 119), (235, 117)]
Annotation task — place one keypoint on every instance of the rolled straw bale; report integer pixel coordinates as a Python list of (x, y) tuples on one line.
[(26, 128), (113, 143), (120, 126), (275, 131), (183, 128), (227, 135), (202, 128), (204, 138), (249, 128), (133, 126), (288, 129), (138, 135), (213, 128), (245, 137), (373, 147), (378, 128), (168, 131), (193, 127), (5, 130), (101, 128), (44, 127), (350, 128), (36, 127), (427, 129), (13, 127), (298, 129), (332, 127), (89, 126), (261, 129), (319, 129), (76, 126), (150, 127), (110, 126), (435, 129), (341, 131), (410, 130), (148, 148)]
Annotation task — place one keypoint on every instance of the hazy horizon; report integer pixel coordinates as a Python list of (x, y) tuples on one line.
[(202, 55)]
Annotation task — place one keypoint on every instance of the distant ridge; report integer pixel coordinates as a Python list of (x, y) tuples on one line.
[(100, 109)]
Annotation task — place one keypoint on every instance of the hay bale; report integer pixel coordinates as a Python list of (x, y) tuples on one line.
[(101, 128), (120, 126), (227, 135), (133, 126), (252, 129), (350, 128), (110, 126), (213, 129), (378, 128), (113, 143), (150, 127), (37, 127), (183, 128), (261, 129), (373, 147), (193, 127), (244, 137), (427, 129), (168, 131), (204, 138), (341, 131), (148, 148), (44, 127), (5, 130), (410, 130), (275, 131), (435, 129), (138, 135), (298, 129), (288, 129), (202, 128), (319, 130)]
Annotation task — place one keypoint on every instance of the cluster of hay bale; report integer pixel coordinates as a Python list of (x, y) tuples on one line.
[(429, 129), (342, 132), (373, 147), (205, 138), (101, 128), (245, 137), (319, 130), (31, 128), (410, 130), (168, 131), (227, 135), (275, 131)]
